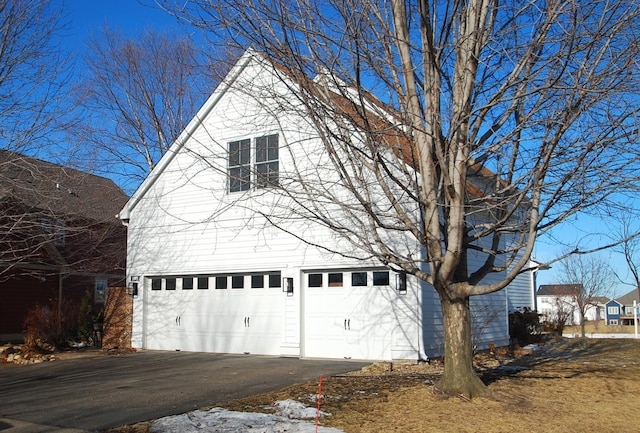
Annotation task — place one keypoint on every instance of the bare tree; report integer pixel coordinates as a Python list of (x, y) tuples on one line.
[(630, 249), (594, 278), (34, 70), (470, 128), (138, 95)]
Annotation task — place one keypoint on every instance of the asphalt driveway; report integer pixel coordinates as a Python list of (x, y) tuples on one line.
[(100, 392)]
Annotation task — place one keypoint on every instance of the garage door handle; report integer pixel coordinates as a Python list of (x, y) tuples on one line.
[(246, 322), (347, 324)]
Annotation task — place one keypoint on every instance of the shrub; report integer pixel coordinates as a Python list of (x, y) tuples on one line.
[(45, 328), (525, 326)]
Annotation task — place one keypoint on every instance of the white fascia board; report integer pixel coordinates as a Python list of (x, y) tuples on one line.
[(184, 136)]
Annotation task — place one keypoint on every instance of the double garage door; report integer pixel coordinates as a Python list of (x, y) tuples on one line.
[(223, 314)]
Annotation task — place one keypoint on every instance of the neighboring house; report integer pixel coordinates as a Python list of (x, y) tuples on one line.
[(614, 312), (210, 274), (59, 236), (625, 314), (561, 300)]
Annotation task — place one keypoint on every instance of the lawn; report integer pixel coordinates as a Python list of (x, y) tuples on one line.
[(586, 385)]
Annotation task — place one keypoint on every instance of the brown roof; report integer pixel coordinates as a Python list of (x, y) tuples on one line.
[(57, 189), (559, 289), (628, 298)]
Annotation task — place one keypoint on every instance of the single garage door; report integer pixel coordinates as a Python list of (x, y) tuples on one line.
[(236, 313), (348, 314)]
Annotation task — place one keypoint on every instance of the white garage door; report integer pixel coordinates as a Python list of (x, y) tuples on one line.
[(348, 315), (219, 313)]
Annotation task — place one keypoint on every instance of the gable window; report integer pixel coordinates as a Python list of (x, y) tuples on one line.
[(253, 162), (239, 165), (267, 166), (613, 310)]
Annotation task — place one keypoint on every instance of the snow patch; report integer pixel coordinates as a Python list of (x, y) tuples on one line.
[(287, 419)]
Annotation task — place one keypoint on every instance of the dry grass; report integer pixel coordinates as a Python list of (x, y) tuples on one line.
[(585, 385), (599, 327)]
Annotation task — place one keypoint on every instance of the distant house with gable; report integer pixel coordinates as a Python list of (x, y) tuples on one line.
[(620, 310), (553, 299)]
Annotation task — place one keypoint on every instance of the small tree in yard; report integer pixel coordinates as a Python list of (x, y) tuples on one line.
[(595, 278), (465, 128)]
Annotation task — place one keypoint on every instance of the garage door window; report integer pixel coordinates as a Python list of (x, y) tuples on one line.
[(275, 280), (335, 279), (237, 282), (187, 283), (170, 284), (257, 281), (221, 282), (358, 279), (156, 284), (203, 283), (315, 280), (381, 278)]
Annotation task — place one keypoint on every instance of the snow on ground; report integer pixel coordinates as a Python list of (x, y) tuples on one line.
[(288, 418)]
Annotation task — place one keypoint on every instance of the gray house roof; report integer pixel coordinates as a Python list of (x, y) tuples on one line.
[(628, 298), (559, 289)]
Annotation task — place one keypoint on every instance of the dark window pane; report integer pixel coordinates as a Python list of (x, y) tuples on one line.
[(221, 282), (335, 280), (358, 279), (187, 283), (156, 284), (170, 284), (381, 278), (275, 280), (203, 283), (237, 282), (257, 281), (315, 280), (239, 165)]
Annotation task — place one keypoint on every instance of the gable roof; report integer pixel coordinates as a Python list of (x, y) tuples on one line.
[(58, 190), (559, 289), (628, 298)]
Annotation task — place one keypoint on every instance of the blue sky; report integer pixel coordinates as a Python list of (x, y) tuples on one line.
[(129, 16)]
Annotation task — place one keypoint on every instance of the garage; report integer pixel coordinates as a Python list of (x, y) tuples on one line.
[(348, 314), (234, 313)]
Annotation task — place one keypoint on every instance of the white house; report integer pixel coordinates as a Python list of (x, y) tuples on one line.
[(553, 299), (211, 273)]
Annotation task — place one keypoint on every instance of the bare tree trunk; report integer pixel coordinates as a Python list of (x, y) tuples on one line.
[(459, 376)]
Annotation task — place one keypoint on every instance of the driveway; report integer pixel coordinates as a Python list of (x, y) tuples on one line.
[(99, 392)]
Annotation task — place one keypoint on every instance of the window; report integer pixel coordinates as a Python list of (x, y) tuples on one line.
[(257, 281), (358, 279), (239, 165), (381, 278), (267, 166), (170, 284), (275, 280), (203, 283), (221, 282), (100, 291), (264, 161), (315, 280), (237, 282), (613, 322), (156, 284), (335, 280), (187, 283), (613, 310)]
